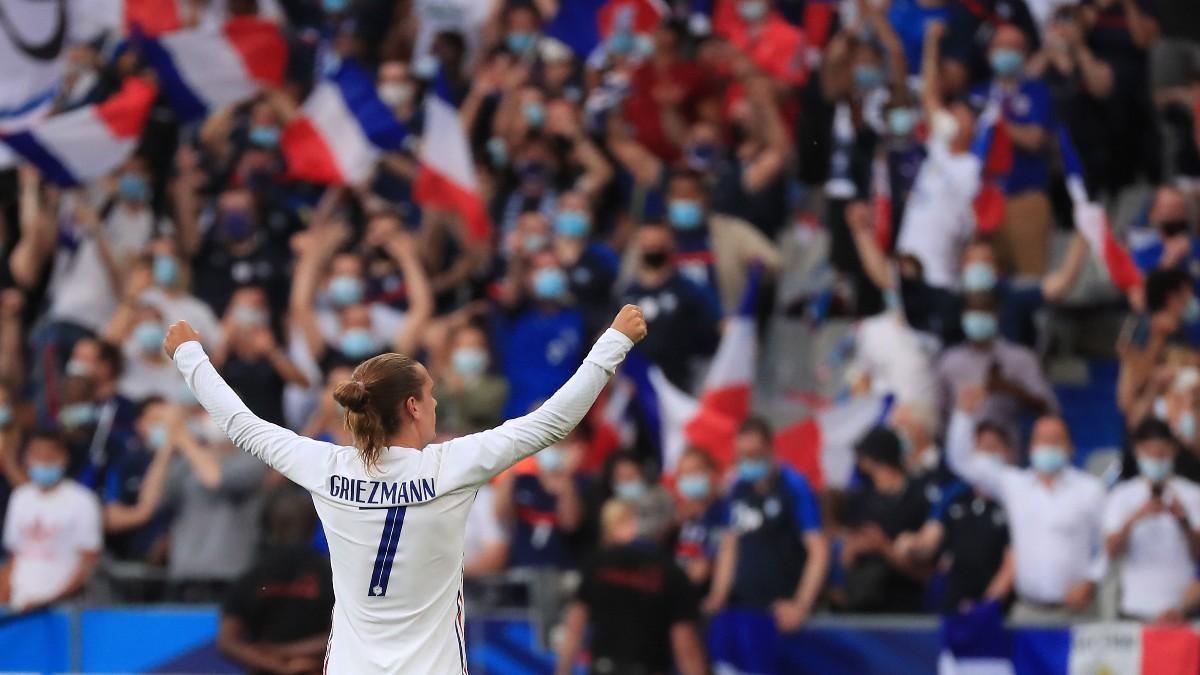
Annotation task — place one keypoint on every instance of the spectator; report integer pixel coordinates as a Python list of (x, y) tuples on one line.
[(139, 329), (627, 479), (773, 557), (470, 395), (1150, 526), (638, 604), (169, 294), (276, 616), (51, 530), (543, 508), (1053, 513), (485, 550), (96, 420), (701, 516), (590, 265), (1171, 306), (135, 526), (328, 421)]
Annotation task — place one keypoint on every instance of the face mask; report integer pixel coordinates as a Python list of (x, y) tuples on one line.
[(630, 491), (76, 368), (235, 225), (753, 470), (571, 224), (549, 283), (45, 475), (752, 10), (930, 460), (264, 137), (469, 362), (1186, 426), (1191, 313), (867, 78), (901, 121), (249, 317), (149, 335), (978, 277), (906, 446), (1007, 62), (519, 43), (426, 67), (357, 343), (550, 459), (643, 46), (6, 414), (207, 431), (157, 437), (77, 415), (395, 94), (655, 259), (1155, 470), (621, 42), (334, 6), (1047, 459), (533, 243), (535, 114), (694, 485), (345, 290), (133, 188), (979, 326), (166, 270), (497, 152), (685, 214)]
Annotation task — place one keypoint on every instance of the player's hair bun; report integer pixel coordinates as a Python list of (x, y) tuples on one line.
[(352, 395)]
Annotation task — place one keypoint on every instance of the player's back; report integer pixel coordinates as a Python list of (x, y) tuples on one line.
[(396, 540)]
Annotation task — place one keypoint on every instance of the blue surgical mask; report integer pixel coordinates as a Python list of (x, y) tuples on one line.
[(867, 78), (149, 336), (133, 188), (6, 414), (426, 67), (753, 470), (166, 270), (497, 151), (264, 137), (1186, 426), (1155, 470), (694, 485), (550, 459), (345, 290), (549, 283), (335, 6), (157, 437), (572, 224), (45, 475), (357, 343), (978, 277), (1007, 62), (685, 214), (77, 415), (520, 42), (752, 10), (901, 121), (1191, 313), (535, 114), (630, 491), (621, 42), (469, 362), (1047, 459), (979, 326), (532, 243), (249, 317)]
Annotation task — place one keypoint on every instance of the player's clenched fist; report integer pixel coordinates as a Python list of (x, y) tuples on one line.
[(179, 333), (631, 322)]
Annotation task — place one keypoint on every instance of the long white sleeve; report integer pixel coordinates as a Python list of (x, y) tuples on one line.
[(301, 459), (473, 460), (964, 460)]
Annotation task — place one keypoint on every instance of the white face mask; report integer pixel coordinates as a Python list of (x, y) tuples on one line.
[(206, 430)]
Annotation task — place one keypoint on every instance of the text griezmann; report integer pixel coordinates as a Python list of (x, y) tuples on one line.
[(374, 492)]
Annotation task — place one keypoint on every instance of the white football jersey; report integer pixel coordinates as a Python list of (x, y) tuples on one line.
[(396, 534)]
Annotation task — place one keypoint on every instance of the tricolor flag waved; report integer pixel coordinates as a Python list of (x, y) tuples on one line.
[(1092, 221), (993, 146), (822, 446), (201, 70), (447, 177), (86, 143), (341, 130)]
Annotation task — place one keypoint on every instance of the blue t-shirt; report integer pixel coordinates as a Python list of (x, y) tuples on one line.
[(909, 19), (770, 531), (538, 541), (1029, 105), (123, 485), (541, 351), (700, 537)]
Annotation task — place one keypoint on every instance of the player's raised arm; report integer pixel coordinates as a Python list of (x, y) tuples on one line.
[(300, 459), (474, 459)]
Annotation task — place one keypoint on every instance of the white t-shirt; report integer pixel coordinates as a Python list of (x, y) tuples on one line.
[(463, 16), (939, 216), (81, 290), (188, 308), (47, 533), (1156, 565), (142, 378), (397, 533), (891, 354), (483, 527)]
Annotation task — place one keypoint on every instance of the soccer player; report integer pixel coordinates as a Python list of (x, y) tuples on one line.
[(395, 505)]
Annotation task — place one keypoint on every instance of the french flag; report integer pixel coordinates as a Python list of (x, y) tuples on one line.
[(86, 143), (446, 180), (1092, 221), (341, 130), (583, 24), (202, 70), (821, 446), (153, 17), (993, 146)]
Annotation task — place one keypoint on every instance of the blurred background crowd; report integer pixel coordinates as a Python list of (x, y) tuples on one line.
[(1039, 435)]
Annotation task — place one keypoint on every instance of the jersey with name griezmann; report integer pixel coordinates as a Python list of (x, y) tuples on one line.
[(396, 533)]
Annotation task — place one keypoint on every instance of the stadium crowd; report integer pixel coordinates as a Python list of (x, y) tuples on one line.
[(842, 147)]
